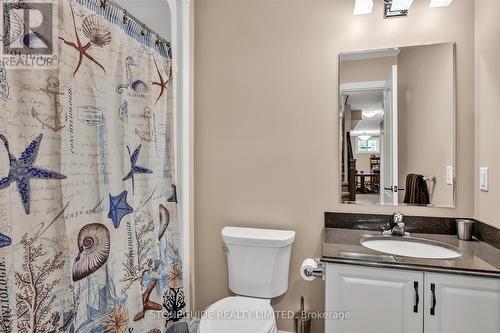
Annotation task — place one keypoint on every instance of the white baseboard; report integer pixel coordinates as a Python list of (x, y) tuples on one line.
[(283, 332)]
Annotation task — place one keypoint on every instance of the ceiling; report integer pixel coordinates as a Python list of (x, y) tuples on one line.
[(371, 103)]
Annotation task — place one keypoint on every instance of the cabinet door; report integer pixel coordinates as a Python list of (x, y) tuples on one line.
[(378, 300), (461, 304)]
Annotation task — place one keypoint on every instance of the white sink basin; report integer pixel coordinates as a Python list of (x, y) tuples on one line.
[(411, 247)]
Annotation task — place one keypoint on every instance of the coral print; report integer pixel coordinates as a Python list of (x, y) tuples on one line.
[(35, 284), (117, 321), (89, 229)]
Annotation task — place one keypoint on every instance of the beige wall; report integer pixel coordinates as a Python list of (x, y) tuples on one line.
[(488, 108), (266, 144), (426, 117)]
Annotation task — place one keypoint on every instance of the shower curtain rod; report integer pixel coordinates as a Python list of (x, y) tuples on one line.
[(128, 16)]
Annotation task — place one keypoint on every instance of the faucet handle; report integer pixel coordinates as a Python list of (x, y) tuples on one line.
[(398, 217)]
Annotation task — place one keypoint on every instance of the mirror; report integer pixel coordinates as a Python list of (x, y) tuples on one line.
[(397, 126)]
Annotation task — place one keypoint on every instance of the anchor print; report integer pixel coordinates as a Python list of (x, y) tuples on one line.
[(145, 135), (162, 83), (97, 33), (53, 120), (137, 86)]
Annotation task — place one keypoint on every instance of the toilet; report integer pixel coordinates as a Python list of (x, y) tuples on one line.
[(258, 268)]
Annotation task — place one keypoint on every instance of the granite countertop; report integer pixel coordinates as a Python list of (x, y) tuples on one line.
[(478, 259)]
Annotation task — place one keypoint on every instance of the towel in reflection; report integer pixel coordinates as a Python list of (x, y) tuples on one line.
[(416, 190)]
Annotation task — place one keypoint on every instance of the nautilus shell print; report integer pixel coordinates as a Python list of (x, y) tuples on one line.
[(164, 221), (93, 247), (96, 30)]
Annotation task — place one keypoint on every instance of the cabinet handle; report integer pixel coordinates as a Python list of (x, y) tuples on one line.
[(417, 297), (434, 302)]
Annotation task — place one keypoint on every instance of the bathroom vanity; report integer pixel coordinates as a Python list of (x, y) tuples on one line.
[(394, 301), (392, 293)]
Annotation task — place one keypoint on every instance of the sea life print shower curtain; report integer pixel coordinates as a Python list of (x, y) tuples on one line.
[(89, 229)]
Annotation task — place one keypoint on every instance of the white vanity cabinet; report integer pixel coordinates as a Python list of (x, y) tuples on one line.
[(461, 304), (378, 300), (383, 300)]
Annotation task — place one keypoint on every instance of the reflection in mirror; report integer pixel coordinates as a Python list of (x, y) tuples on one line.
[(397, 125)]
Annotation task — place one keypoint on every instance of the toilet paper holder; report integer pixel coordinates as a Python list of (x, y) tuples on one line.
[(317, 272)]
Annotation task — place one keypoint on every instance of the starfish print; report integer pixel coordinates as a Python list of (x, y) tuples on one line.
[(162, 84), (135, 168), (82, 49), (146, 303), (22, 170), (118, 208), (5, 240)]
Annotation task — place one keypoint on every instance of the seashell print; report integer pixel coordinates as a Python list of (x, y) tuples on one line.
[(5, 240), (139, 87), (164, 221), (95, 28), (123, 112), (93, 246), (154, 330)]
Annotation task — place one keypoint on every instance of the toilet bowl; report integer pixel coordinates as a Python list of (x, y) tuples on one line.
[(258, 269), (239, 315)]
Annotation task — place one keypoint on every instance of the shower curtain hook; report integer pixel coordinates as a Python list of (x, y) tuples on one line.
[(144, 30), (104, 4), (158, 40), (125, 17)]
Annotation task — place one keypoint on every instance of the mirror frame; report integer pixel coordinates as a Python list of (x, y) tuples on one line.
[(454, 128)]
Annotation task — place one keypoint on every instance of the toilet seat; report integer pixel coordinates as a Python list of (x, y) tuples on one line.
[(239, 314)]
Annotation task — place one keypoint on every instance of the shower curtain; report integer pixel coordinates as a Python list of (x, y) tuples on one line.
[(89, 230)]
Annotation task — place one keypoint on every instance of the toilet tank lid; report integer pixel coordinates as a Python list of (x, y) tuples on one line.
[(257, 237)]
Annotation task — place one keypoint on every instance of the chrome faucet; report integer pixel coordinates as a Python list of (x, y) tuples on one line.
[(397, 226)]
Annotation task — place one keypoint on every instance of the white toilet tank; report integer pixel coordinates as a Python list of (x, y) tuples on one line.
[(258, 260)]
